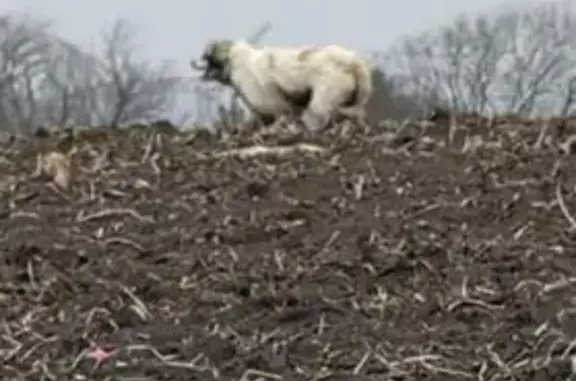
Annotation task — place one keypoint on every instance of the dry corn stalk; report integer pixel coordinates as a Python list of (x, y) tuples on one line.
[(56, 166), (568, 147)]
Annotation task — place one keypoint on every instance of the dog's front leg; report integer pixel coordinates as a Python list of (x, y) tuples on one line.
[(314, 121)]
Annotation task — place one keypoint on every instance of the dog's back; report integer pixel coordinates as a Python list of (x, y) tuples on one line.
[(294, 73), (301, 67)]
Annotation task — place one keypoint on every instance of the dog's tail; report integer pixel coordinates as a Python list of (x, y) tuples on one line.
[(363, 73), (360, 68)]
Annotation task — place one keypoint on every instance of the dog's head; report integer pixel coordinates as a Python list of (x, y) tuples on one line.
[(214, 62)]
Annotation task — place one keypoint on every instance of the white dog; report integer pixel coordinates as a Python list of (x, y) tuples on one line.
[(317, 83)]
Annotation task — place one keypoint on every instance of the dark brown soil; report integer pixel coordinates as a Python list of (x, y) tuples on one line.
[(386, 256)]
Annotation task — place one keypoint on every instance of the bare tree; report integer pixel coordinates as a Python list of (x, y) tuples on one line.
[(24, 53), (43, 79), (67, 87), (131, 88), (519, 60)]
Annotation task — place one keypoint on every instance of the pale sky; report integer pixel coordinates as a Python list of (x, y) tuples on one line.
[(177, 29)]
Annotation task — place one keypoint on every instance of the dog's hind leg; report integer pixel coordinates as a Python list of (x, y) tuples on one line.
[(354, 113), (327, 98)]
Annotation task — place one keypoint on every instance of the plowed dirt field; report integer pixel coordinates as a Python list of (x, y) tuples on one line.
[(389, 253)]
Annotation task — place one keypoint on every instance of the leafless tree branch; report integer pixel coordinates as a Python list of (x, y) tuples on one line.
[(132, 88), (47, 80), (519, 61)]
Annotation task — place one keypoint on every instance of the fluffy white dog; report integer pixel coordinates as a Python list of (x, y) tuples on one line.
[(319, 84)]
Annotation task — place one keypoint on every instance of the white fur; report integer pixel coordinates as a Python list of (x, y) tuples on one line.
[(272, 80)]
